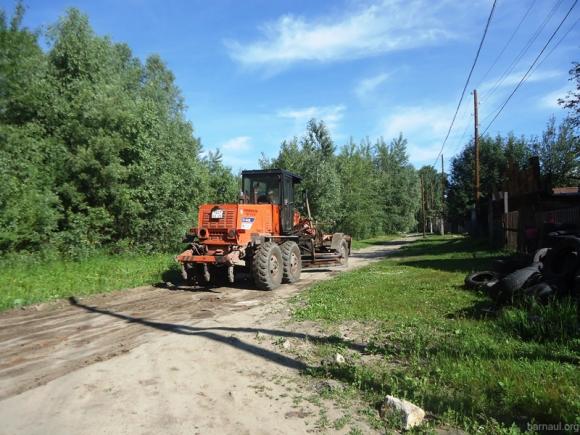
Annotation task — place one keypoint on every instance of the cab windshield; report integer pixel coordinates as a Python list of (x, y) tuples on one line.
[(261, 189)]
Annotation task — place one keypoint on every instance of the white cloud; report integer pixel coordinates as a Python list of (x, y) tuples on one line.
[(423, 120), (425, 128), (369, 84), (423, 154), (550, 100), (331, 115), (514, 78), (387, 26), (237, 163), (240, 143)]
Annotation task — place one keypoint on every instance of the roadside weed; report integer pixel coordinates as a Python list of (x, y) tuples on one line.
[(28, 282), (447, 349)]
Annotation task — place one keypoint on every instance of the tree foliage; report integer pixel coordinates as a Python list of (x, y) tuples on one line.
[(433, 190), (558, 150), (365, 190), (95, 148), (572, 100)]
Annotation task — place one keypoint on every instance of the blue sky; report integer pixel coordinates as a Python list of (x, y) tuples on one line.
[(253, 72)]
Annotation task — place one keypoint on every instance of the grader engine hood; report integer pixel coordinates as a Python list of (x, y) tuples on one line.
[(224, 230), (233, 224)]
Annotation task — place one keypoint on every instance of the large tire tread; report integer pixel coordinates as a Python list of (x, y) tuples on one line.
[(287, 249), (260, 266), (516, 280), (345, 251), (478, 280)]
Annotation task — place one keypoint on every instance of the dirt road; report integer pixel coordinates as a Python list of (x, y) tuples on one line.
[(156, 360)]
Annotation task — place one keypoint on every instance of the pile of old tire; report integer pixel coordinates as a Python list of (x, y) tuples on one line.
[(552, 272)]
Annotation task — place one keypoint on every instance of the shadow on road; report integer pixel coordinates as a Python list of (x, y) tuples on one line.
[(172, 279), (210, 334)]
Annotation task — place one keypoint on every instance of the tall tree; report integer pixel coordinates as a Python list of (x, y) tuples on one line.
[(313, 158), (29, 209), (572, 100), (398, 183), (96, 150), (559, 153), (224, 187), (432, 194), (360, 200)]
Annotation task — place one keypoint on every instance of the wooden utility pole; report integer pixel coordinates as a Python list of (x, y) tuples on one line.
[(442, 197), (476, 142), (423, 204)]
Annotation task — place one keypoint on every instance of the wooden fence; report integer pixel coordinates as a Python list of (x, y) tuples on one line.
[(514, 234), (511, 230)]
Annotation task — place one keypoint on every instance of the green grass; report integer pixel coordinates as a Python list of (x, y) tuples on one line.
[(443, 348), (27, 281), (359, 244)]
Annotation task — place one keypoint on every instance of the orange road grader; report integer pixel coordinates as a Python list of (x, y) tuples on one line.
[(263, 234)]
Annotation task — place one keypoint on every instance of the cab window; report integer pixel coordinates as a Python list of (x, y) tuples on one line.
[(263, 189)]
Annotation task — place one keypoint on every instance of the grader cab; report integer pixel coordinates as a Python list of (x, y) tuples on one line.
[(263, 234)]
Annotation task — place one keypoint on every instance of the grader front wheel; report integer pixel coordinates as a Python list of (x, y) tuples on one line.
[(267, 266)]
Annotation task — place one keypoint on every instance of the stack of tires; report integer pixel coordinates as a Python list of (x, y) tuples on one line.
[(553, 272)]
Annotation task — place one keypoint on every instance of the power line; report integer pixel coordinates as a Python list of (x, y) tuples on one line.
[(557, 44), (525, 76), (489, 115), (509, 41), (522, 52), (467, 81)]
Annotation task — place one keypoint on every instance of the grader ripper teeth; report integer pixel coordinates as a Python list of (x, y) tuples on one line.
[(263, 234)]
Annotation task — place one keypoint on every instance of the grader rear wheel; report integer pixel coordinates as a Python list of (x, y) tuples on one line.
[(343, 253), (292, 260), (267, 266)]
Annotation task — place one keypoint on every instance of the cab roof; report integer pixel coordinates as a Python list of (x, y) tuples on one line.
[(295, 178)]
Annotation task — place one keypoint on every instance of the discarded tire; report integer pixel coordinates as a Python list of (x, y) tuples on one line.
[(478, 280), (541, 292), (540, 254), (510, 284), (503, 266), (554, 272), (518, 279), (562, 261)]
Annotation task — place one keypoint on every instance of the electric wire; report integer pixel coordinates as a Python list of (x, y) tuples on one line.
[(522, 53), (557, 44), (498, 57), (467, 81), (526, 75)]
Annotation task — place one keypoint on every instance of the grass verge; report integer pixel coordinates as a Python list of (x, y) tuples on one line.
[(445, 348), (29, 282)]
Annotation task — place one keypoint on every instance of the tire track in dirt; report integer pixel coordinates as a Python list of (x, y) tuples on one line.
[(44, 342)]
